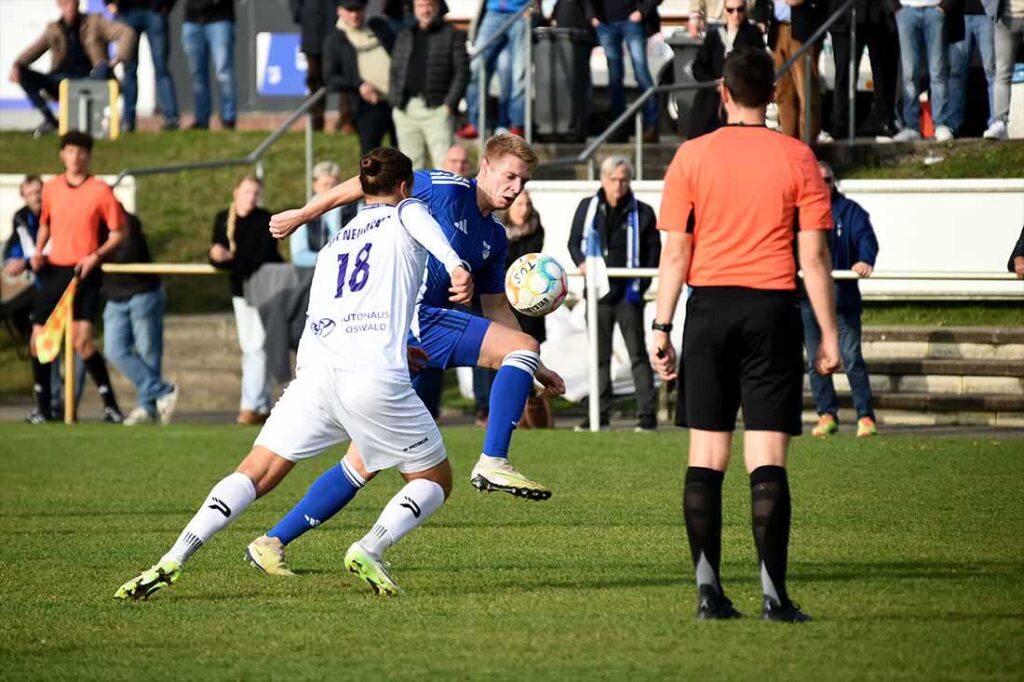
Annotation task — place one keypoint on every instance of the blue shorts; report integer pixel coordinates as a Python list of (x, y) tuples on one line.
[(450, 338)]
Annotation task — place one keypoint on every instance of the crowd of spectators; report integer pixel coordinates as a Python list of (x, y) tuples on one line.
[(404, 72)]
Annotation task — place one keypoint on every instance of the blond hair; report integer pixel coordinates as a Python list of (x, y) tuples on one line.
[(233, 213), (507, 144)]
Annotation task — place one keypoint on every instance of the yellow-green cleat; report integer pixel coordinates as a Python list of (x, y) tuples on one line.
[(371, 569), (157, 577), (496, 473), (267, 554)]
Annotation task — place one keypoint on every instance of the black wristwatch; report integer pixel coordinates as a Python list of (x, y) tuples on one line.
[(662, 327)]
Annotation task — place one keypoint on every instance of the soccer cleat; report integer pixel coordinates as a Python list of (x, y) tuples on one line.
[(866, 427), (157, 577), (165, 405), (112, 415), (137, 416), (827, 426), (496, 473), (371, 569), (790, 613), (714, 606), (267, 554)]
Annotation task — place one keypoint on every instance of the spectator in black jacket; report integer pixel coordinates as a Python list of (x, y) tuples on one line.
[(209, 31), (357, 60), (790, 23), (149, 17), (628, 233), (1016, 262), (876, 30), (429, 69), (242, 243), (315, 19), (133, 328), (720, 39)]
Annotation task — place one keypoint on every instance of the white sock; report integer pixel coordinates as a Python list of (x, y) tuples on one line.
[(224, 504), (406, 511)]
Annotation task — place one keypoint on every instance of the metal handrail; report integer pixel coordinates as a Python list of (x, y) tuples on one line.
[(633, 109), (252, 157)]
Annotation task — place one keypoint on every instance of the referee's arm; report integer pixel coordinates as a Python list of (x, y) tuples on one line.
[(673, 270), (816, 262)]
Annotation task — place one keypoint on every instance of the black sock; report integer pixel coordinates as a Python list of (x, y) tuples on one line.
[(702, 511), (770, 512), (41, 386), (97, 369)]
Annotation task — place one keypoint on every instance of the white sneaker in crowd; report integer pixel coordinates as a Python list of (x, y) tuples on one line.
[(997, 131), (165, 405), (907, 135), (943, 134), (138, 416)]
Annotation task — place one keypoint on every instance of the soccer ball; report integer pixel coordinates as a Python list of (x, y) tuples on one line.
[(536, 284)]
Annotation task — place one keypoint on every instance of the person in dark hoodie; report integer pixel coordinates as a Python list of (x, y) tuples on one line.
[(854, 247), (133, 328), (357, 60)]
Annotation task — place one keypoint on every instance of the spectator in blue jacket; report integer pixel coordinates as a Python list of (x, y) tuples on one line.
[(854, 247)]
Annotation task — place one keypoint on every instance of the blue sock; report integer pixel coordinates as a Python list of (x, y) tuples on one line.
[(326, 497), (509, 392)]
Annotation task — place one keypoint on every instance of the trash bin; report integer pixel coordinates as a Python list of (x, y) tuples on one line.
[(684, 49), (561, 60)]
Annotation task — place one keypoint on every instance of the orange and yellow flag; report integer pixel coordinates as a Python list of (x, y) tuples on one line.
[(48, 342)]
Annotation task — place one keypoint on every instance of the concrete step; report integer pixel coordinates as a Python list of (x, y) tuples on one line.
[(939, 344), (984, 408), (944, 377)]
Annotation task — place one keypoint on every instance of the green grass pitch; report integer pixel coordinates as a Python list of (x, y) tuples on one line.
[(907, 550)]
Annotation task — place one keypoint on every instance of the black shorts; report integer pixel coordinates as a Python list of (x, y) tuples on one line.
[(742, 347), (54, 280)]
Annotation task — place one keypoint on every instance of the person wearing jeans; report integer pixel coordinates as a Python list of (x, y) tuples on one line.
[(209, 31), (513, 45), (922, 26), (854, 247), (149, 17), (619, 22), (979, 30), (1009, 35)]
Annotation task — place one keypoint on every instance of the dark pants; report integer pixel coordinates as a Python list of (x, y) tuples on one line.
[(315, 81), (35, 84), (373, 122), (883, 46), (154, 25), (630, 318), (825, 398)]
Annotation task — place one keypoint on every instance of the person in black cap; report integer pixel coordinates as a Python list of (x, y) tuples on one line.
[(357, 59)]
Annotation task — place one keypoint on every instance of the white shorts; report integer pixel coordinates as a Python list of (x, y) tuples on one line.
[(322, 407)]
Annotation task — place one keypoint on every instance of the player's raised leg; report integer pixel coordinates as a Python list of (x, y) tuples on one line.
[(423, 494), (257, 475)]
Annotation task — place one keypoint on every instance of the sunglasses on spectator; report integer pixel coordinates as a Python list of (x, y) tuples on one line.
[(734, 10), (829, 180)]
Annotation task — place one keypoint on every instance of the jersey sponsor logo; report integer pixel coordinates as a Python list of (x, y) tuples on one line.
[(416, 444), (462, 226), (411, 505), (322, 327), (219, 506), (487, 250)]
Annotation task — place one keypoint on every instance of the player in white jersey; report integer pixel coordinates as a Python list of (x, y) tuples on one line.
[(352, 380)]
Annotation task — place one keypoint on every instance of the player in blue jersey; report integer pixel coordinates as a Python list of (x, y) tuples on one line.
[(464, 208)]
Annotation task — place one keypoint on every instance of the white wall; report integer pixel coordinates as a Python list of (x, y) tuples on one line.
[(10, 198), (922, 225)]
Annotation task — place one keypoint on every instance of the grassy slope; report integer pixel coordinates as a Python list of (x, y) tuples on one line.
[(964, 159), (906, 549)]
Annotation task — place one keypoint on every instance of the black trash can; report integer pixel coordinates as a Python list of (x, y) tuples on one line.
[(561, 60), (684, 49)]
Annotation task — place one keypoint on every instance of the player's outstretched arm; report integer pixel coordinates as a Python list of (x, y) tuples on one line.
[(421, 226), (284, 223)]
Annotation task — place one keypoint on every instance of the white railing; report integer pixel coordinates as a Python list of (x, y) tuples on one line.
[(593, 263)]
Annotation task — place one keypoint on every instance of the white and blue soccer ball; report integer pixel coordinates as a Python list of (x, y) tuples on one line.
[(536, 284)]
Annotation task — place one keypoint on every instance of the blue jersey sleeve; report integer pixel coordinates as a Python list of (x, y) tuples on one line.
[(422, 187), (490, 279)]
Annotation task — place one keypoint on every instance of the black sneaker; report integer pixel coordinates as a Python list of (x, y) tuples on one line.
[(788, 613), (112, 415), (647, 424), (584, 425), (714, 606), (37, 417), (45, 128)]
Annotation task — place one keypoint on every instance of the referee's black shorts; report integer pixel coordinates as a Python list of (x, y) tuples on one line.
[(742, 348), (54, 280)]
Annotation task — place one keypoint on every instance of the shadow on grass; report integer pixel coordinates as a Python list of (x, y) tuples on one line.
[(845, 571)]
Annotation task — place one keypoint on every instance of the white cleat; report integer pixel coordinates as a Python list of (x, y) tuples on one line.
[(496, 473)]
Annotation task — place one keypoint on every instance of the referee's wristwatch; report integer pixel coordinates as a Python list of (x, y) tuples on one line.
[(662, 327)]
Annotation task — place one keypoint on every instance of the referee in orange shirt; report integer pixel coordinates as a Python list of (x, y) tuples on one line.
[(76, 207), (733, 201)]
